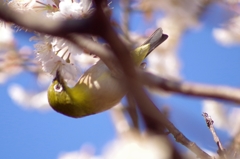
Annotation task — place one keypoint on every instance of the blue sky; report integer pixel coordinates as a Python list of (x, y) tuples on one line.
[(32, 134)]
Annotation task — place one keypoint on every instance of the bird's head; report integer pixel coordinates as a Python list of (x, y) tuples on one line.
[(59, 97)]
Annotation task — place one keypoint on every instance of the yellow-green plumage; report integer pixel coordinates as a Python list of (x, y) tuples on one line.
[(97, 90)]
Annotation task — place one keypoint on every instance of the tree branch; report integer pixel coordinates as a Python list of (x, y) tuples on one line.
[(191, 89), (209, 122)]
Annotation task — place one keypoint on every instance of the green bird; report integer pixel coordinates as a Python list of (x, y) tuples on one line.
[(97, 89)]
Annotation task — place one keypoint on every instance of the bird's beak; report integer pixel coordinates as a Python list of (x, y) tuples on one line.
[(58, 77)]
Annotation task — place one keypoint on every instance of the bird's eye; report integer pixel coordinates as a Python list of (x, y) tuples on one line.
[(58, 87)]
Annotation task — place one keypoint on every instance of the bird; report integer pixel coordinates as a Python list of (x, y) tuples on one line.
[(97, 90)]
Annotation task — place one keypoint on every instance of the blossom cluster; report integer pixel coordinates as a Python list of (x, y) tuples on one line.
[(56, 53)]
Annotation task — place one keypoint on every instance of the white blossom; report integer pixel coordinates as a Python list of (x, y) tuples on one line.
[(136, 146), (7, 38), (164, 64), (67, 70), (129, 146), (69, 9), (229, 34), (86, 152), (55, 56), (185, 12)]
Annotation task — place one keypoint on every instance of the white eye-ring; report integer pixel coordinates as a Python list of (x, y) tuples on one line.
[(58, 87)]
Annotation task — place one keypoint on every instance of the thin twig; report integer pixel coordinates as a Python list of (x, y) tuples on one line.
[(209, 123), (190, 89)]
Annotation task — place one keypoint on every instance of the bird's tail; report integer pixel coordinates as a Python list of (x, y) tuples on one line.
[(155, 39)]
